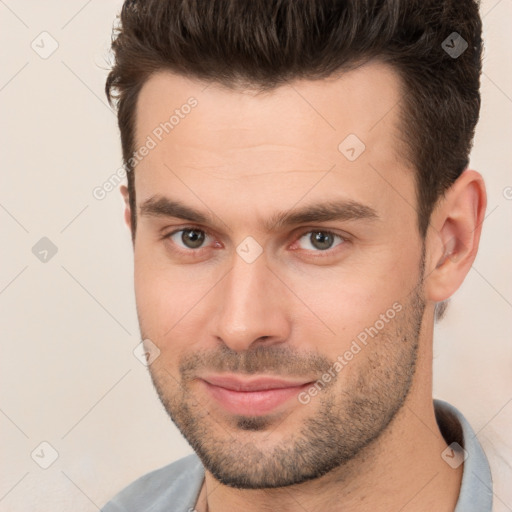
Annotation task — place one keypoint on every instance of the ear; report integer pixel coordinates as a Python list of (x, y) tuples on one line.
[(454, 235), (127, 212)]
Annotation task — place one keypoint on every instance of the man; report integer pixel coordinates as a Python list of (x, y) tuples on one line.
[(301, 209)]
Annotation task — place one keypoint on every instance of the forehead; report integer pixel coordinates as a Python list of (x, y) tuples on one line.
[(256, 145), (363, 101)]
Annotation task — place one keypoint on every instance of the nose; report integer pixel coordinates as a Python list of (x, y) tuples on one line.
[(252, 306)]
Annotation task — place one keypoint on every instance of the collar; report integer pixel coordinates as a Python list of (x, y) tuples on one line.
[(476, 488)]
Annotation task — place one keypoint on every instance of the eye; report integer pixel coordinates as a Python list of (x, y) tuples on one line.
[(189, 238), (192, 239), (320, 240)]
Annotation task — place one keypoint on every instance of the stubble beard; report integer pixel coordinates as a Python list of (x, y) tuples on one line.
[(257, 452)]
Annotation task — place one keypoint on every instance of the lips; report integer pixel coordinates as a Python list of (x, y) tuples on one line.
[(252, 397)]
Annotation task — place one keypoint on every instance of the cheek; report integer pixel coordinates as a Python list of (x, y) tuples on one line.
[(168, 299), (162, 320), (155, 294), (343, 302)]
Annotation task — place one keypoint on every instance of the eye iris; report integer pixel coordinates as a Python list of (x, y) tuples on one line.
[(321, 240), (192, 238)]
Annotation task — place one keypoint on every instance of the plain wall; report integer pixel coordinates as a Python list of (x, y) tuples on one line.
[(69, 325)]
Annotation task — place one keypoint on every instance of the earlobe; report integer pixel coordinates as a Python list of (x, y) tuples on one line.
[(127, 211), (454, 235)]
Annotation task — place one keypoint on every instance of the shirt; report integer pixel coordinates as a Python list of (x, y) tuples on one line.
[(176, 487)]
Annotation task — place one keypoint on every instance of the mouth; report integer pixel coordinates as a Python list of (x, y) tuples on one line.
[(252, 397)]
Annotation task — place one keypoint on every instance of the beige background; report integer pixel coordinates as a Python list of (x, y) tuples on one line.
[(68, 374)]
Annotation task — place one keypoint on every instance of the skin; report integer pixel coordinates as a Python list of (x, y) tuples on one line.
[(242, 157)]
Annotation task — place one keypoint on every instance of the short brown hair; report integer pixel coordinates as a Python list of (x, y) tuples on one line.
[(261, 44)]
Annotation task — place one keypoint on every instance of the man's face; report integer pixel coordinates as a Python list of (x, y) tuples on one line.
[(248, 312)]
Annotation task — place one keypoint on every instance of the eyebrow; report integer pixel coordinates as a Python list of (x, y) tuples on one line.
[(333, 210)]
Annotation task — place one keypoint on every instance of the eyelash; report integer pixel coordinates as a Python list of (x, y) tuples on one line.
[(198, 251)]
